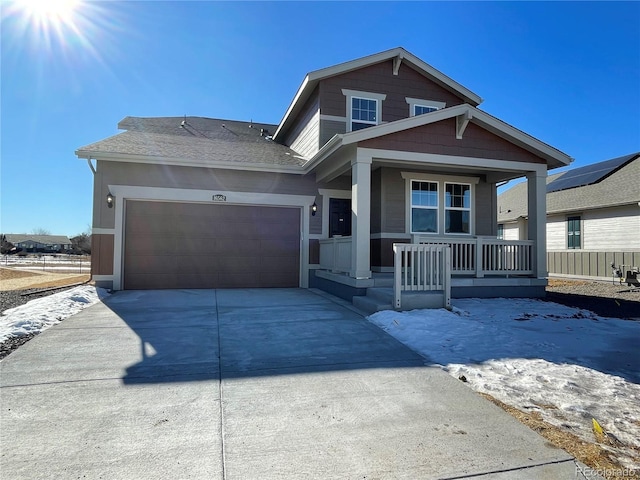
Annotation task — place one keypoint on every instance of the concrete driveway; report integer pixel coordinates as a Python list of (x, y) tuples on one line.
[(247, 384)]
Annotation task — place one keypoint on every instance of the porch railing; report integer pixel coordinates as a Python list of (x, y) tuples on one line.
[(482, 256), (335, 254), (421, 267)]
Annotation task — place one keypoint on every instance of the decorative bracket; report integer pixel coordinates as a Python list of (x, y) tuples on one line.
[(461, 123), (397, 61)]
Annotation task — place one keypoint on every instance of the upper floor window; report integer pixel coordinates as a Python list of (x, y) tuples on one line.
[(364, 113), (573, 232), (364, 109), (418, 106)]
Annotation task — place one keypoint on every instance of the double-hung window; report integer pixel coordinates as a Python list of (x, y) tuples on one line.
[(573, 233), (364, 109), (420, 109), (424, 207), (364, 113), (457, 208), (419, 106)]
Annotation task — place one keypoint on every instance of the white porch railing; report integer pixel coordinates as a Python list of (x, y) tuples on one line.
[(482, 256), (421, 267), (335, 254)]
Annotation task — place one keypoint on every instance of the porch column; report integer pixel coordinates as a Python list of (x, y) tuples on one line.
[(537, 228), (361, 216)]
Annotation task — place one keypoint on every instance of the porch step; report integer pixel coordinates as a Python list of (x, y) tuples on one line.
[(377, 299)]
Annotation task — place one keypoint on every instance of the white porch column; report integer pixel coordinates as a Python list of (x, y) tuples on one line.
[(361, 216), (537, 228)]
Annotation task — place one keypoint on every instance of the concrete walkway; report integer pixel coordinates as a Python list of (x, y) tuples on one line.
[(247, 384)]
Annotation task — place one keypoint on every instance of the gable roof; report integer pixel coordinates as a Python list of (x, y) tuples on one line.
[(45, 239), (589, 174), (554, 158), (193, 141), (313, 78), (619, 187)]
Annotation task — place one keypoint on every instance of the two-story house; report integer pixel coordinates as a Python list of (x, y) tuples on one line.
[(374, 152)]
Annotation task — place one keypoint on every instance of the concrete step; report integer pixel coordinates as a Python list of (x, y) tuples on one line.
[(370, 305), (383, 280), (382, 294)]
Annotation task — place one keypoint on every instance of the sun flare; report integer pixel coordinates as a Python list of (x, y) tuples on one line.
[(52, 12)]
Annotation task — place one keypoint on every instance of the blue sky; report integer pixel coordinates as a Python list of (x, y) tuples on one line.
[(567, 73)]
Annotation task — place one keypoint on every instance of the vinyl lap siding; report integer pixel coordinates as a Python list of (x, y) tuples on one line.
[(307, 143), (511, 232), (611, 229), (556, 233)]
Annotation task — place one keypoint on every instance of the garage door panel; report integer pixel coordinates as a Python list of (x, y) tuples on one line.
[(181, 245)]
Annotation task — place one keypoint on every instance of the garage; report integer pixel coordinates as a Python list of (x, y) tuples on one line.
[(193, 245)]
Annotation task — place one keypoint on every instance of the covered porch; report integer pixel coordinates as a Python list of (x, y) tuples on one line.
[(423, 199)]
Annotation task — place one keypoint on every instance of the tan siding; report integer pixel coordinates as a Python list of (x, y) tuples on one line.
[(611, 228), (511, 232), (556, 233), (393, 201), (485, 209), (102, 254), (440, 138), (103, 217), (379, 78)]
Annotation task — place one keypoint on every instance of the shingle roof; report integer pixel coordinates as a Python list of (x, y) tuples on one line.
[(195, 139), (46, 239), (622, 187)]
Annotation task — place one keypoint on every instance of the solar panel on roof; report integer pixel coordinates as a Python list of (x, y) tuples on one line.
[(587, 175)]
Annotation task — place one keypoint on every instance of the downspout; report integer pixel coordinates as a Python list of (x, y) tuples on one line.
[(93, 169)]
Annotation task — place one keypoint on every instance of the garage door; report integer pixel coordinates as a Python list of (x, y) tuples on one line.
[(184, 245)]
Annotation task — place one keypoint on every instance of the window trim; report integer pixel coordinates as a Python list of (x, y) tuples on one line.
[(424, 207), (351, 94), (441, 180), (419, 102), (571, 233), (457, 209)]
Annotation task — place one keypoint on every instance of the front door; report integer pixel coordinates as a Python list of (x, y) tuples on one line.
[(339, 217)]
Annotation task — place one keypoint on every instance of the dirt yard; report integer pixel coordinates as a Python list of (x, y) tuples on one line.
[(11, 279)]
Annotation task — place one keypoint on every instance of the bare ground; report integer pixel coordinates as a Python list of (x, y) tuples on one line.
[(12, 279)]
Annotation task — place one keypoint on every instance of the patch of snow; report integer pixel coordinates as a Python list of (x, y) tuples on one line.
[(567, 364), (41, 313)]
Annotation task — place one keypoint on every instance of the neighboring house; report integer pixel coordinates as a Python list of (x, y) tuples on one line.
[(593, 217), (40, 243), (380, 150)]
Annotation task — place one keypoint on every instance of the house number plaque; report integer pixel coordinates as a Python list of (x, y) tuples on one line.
[(219, 198)]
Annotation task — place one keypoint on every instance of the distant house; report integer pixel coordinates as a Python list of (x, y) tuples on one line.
[(370, 155), (40, 243), (593, 217)]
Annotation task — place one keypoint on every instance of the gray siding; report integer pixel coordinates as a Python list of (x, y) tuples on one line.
[(376, 201), (329, 128), (304, 136), (486, 216), (168, 176)]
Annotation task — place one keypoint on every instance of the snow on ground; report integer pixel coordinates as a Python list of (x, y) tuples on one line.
[(565, 363), (41, 313)]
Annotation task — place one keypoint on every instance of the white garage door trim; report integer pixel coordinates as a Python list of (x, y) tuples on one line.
[(131, 192)]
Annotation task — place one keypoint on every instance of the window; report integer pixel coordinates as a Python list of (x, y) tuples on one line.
[(420, 109), (457, 216), (573, 232), (364, 109), (500, 231), (419, 106), (364, 113), (424, 207)]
